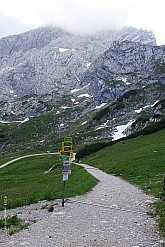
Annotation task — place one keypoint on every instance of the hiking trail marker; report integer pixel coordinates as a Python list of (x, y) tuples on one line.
[(66, 154)]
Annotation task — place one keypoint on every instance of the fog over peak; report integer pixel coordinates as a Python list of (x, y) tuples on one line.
[(76, 16), (83, 16), (87, 17)]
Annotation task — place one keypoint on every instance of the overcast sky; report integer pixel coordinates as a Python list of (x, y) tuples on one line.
[(82, 16)]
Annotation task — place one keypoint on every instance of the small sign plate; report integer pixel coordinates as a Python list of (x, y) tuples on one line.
[(65, 177)]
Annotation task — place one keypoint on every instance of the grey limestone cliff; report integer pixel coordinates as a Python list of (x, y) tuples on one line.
[(125, 65), (49, 59)]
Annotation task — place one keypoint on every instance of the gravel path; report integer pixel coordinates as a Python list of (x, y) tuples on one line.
[(113, 214), (22, 157)]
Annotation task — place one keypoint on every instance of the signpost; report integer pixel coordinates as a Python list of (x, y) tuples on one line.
[(66, 154)]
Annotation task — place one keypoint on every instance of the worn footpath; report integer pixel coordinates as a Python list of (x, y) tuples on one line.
[(113, 214)]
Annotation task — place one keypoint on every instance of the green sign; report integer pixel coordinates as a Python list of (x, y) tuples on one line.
[(64, 158)]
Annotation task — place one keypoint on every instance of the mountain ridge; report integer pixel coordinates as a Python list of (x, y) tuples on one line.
[(44, 59), (65, 81)]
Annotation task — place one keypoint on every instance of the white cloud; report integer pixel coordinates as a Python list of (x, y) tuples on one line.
[(149, 15), (86, 16), (81, 16)]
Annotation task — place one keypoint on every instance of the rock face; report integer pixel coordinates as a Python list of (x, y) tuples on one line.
[(49, 59), (124, 66), (88, 85)]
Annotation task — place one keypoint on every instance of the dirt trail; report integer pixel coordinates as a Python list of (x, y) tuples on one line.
[(113, 214)]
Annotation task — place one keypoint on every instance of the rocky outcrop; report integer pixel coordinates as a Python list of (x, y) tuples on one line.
[(49, 59), (124, 66), (72, 77)]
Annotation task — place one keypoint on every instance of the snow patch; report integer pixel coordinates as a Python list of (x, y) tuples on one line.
[(120, 129), (26, 119), (75, 90), (21, 122), (78, 89), (65, 107), (140, 109), (63, 49), (84, 95), (88, 65), (124, 79), (84, 123), (100, 106), (104, 125), (147, 106), (154, 103), (6, 69)]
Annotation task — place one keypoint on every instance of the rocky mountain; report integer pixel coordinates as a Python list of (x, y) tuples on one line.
[(58, 83), (49, 59), (124, 66)]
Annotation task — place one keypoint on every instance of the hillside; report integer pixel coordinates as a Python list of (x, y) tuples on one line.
[(48, 59), (140, 161), (95, 88)]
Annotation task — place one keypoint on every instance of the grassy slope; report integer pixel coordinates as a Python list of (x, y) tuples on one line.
[(141, 161), (43, 132), (24, 181)]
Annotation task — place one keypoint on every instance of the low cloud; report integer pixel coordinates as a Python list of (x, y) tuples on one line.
[(84, 17), (78, 16)]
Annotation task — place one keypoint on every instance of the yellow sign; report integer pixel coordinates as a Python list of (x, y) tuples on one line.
[(71, 155), (66, 148), (67, 143), (62, 153), (68, 139)]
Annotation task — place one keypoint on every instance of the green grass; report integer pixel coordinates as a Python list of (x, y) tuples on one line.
[(12, 224), (141, 161), (24, 182)]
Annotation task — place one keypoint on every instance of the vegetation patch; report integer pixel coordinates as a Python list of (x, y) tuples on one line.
[(160, 66), (134, 93), (94, 147), (25, 181), (140, 161), (114, 83), (13, 224)]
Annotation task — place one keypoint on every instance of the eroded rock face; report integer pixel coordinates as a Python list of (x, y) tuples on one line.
[(125, 65), (49, 59), (42, 68)]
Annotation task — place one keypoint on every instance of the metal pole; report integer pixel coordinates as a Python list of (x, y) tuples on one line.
[(63, 193), (5, 212)]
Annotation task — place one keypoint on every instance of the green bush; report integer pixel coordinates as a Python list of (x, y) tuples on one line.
[(91, 148)]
